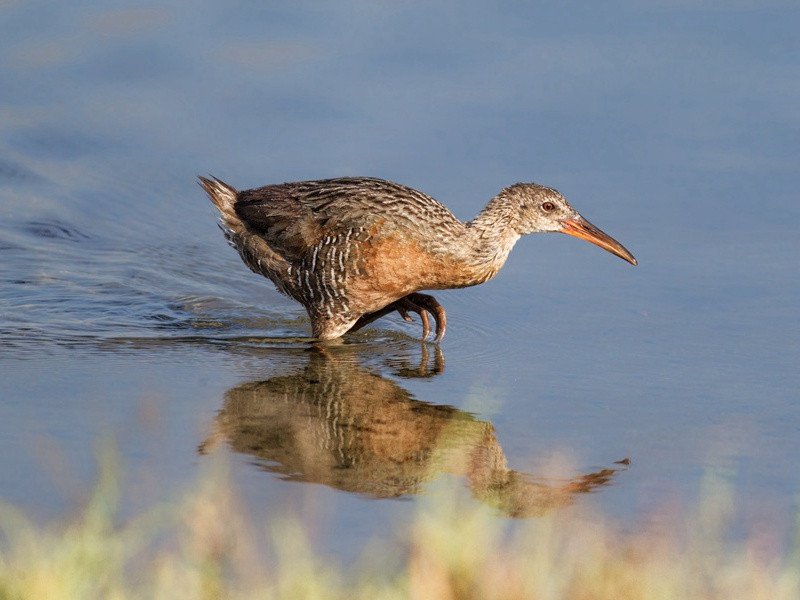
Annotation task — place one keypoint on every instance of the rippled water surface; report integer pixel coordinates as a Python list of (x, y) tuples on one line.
[(124, 315)]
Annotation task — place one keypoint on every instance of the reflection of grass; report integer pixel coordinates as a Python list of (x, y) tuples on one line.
[(204, 547)]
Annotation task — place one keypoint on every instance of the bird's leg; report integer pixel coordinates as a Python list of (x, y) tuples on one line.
[(374, 316), (421, 304)]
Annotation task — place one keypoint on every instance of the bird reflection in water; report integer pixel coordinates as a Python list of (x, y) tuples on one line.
[(339, 423)]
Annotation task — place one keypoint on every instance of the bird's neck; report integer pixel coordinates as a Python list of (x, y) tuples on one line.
[(485, 243)]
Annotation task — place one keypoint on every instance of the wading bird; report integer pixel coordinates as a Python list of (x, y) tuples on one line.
[(354, 249)]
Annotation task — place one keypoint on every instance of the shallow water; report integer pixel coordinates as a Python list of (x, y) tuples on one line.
[(124, 315)]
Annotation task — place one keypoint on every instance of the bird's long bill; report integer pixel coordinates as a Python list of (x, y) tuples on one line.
[(581, 228)]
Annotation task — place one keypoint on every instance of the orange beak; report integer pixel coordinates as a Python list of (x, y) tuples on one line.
[(581, 228)]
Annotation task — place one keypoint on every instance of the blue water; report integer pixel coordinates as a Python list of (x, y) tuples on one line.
[(124, 316)]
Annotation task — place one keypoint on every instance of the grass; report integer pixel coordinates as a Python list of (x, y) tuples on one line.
[(202, 546)]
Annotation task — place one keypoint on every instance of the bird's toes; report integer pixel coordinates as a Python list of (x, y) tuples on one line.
[(430, 304), (426, 326), (404, 313), (439, 333), (441, 322)]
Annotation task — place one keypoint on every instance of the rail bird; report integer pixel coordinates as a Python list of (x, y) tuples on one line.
[(354, 249)]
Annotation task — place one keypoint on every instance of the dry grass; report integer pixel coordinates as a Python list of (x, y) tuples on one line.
[(203, 547)]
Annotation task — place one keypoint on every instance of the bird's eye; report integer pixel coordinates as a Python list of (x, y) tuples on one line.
[(548, 206)]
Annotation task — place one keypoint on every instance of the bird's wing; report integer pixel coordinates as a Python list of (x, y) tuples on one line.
[(276, 215), (293, 217)]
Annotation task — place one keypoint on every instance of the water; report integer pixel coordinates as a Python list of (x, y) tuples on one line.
[(124, 315)]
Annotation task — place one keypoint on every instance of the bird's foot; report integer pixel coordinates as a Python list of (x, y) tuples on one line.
[(422, 304)]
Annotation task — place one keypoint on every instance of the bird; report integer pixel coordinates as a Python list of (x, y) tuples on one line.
[(354, 249)]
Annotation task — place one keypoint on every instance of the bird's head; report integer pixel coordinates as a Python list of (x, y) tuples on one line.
[(541, 209)]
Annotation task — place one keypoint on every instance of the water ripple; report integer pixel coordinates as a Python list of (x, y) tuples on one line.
[(55, 230)]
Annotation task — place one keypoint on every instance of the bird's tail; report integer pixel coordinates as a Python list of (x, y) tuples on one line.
[(224, 198), (253, 248), (222, 195)]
